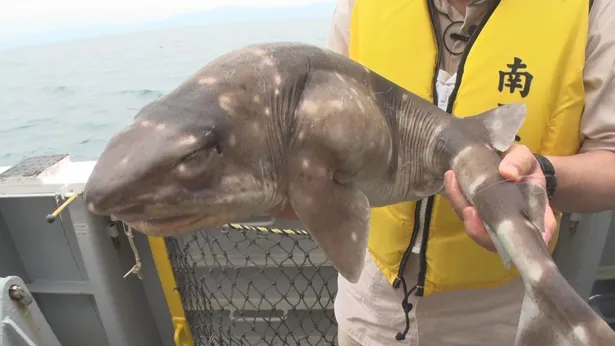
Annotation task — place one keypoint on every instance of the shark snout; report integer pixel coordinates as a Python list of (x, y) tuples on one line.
[(157, 165), (103, 199), (96, 202), (109, 208), (142, 186)]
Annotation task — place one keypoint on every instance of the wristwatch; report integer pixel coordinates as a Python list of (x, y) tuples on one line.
[(549, 171)]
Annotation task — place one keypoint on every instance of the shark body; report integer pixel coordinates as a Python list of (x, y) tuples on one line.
[(278, 123)]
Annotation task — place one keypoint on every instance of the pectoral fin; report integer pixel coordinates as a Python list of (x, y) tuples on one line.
[(336, 216)]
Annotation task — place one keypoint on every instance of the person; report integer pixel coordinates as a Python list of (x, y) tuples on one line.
[(432, 274)]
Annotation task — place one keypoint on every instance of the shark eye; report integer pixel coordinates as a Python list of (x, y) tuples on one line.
[(191, 155), (199, 152)]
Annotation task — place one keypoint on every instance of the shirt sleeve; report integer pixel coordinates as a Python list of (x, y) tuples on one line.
[(598, 122), (339, 33)]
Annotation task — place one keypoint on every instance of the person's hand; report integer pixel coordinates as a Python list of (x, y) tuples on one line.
[(518, 165)]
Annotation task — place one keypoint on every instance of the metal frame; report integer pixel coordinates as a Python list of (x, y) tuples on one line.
[(21, 319), (124, 323), (580, 247)]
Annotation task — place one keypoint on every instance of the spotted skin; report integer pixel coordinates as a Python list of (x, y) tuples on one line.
[(552, 312), (287, 123)]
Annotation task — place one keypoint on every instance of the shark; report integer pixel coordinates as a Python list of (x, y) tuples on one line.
[(287, 123)]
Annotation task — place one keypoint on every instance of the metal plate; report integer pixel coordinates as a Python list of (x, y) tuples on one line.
[(32, 166)]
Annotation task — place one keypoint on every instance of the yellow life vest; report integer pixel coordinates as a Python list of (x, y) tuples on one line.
[(524, 51)]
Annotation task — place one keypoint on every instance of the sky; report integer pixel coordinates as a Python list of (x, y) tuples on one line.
[(20, 18)]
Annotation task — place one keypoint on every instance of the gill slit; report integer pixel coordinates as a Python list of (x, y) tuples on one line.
[(424, 207), (285, 121)]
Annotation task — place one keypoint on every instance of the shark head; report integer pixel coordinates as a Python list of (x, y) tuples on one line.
[(195, 158)]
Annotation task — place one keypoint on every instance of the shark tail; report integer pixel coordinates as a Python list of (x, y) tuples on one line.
[(552, 311)]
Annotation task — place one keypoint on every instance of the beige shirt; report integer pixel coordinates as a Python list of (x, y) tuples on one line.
[(598, 121)]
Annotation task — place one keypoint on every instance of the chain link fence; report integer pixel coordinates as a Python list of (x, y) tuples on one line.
[(243, 285)]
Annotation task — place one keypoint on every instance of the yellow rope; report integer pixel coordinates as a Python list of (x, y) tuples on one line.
[(287, 231)]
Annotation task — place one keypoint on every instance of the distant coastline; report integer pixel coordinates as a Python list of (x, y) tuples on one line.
[(216, 16)]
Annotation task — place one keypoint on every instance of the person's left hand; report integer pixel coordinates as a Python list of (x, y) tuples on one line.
[(518, 165)]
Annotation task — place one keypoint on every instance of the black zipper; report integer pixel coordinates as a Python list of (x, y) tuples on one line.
[(430, 201)]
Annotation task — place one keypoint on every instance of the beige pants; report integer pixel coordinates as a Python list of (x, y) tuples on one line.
[(369, 313)]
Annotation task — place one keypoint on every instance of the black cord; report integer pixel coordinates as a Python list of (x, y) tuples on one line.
[(407, 306)]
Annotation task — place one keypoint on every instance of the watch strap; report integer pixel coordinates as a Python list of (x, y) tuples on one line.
[(549, 171)]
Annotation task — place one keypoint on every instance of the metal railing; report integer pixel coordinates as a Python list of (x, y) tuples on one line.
[(251, 285)]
